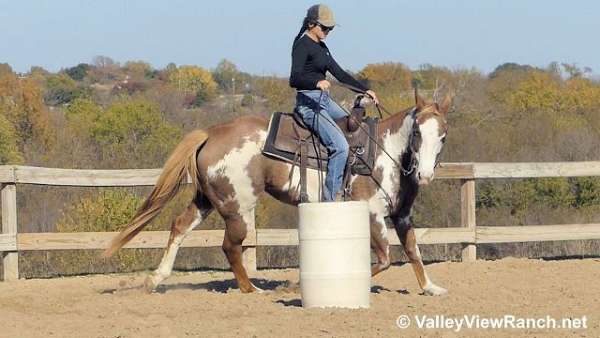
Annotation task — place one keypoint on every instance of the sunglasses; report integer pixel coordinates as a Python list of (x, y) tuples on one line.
[(324, 28)]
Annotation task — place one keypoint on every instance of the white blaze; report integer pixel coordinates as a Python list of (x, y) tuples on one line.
[(431, 145)]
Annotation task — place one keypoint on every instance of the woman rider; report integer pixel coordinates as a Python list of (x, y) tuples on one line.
[(310, 60)]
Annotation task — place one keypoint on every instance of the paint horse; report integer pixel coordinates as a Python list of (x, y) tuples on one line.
[(229, 172)]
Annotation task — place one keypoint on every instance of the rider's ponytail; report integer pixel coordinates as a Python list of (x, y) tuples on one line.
[(302, 29)]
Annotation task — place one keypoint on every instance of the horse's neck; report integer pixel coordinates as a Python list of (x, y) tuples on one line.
[(394, 133)]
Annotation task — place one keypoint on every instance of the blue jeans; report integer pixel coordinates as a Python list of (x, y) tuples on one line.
[(308, 103)]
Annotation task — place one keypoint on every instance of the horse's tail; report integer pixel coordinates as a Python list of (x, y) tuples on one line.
[(181, 162)]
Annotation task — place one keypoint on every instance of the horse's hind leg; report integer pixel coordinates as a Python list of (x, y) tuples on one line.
[(406, 233), (379, 244), (197, 211), (235, 233)]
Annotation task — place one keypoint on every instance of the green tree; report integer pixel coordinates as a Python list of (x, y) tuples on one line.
[(107, 211), (78, 72), (81, 115), (134, 133), (61, 89), (226, 73), (511, 67), (9, 149)]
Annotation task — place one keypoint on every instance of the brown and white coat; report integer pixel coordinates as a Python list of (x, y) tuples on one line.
[(230, 172)]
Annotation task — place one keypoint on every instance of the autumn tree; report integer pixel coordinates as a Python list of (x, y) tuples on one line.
[(21, 103), (277, 92), (138, 70), (194, 80), (391, 81)]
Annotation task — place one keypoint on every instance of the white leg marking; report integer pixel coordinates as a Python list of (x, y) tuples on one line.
[(430, 289), (166, 264)]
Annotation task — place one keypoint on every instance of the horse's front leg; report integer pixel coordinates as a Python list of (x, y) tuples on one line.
[(406, 233)]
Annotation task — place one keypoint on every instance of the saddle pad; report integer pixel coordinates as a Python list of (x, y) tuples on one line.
[(285, 136)]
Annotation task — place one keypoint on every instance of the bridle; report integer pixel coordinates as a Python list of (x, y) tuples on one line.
[(411, 146)]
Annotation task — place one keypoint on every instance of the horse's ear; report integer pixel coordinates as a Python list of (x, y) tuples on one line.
[(419, 101), (444, 107)]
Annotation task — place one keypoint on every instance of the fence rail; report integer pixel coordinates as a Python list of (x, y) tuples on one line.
[(468, 234)]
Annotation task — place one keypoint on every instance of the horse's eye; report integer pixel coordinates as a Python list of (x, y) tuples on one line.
[(443, 139)]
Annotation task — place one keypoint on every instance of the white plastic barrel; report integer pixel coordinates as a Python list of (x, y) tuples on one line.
[(335, 256)]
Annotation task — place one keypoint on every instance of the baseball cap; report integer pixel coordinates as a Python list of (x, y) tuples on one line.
[(321, 14)]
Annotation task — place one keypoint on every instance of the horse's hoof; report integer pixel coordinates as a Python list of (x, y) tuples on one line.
[(149, 285), (252, 288), (434, 290)]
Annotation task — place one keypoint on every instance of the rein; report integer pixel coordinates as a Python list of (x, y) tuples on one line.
[(414, 163)]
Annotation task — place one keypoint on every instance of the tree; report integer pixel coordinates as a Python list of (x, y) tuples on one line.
[(81, 115), (192, 79), (277, 92), (133, 133), (78, 72), (574, 71), (225, 72), (430, 77), (390, 75), (138, 70), (101, 61), (107, 211), (105, 69), (511, 67), (21, 103), (9, 149), (61, 89)]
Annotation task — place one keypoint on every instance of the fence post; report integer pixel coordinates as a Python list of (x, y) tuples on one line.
[(10, 260), (467, 217)]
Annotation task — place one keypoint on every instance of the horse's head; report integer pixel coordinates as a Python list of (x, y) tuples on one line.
[(428, 136)]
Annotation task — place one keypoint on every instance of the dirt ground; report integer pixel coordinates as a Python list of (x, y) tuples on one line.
[(208, 304)]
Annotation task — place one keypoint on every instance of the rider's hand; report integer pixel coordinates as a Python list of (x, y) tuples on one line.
[(373, 96), (323, 85)]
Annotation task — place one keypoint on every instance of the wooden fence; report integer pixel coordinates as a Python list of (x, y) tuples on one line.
[(468, 234)]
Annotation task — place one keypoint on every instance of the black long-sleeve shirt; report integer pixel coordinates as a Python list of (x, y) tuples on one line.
[(310, 61)]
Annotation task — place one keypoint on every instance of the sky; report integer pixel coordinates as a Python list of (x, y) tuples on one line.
[(257, 35)]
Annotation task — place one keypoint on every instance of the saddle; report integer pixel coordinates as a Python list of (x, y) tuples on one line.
[(290, 140)]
